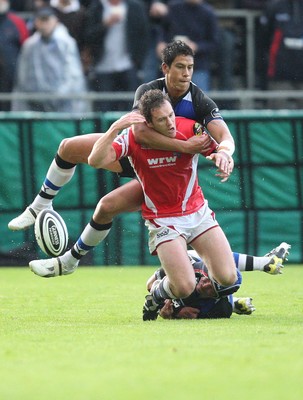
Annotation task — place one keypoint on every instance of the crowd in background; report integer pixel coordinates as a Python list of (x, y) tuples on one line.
[(74, 46)]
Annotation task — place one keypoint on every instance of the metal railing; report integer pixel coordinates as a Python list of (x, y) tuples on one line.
[(241, 99), (249, 17)]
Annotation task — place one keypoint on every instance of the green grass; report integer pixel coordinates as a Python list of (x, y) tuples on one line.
[(81, 337)]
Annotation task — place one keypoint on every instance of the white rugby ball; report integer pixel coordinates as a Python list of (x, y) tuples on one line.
[(51, 233)]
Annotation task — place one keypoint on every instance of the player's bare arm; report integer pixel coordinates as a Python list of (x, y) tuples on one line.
[(149, 137), (103, 153), (226, 146)]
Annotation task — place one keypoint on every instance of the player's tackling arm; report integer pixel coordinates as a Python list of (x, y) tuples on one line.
[(226, 147), (103, 153), (153, 139)]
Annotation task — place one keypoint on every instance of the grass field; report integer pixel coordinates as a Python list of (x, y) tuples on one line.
[(81, 337)]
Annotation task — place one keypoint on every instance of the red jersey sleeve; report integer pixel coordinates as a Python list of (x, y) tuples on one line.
[(193, 128)]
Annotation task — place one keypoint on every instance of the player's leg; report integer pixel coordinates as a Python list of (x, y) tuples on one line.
[(271, 263), (179, 271), (179, 281), (213, 247), (125, 198), (71, 152)]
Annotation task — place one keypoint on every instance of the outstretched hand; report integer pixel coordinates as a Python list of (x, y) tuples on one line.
[(224, 163)]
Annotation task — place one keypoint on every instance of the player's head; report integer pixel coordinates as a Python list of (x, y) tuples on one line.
[(157, 110), (178, 67), (175, 49)]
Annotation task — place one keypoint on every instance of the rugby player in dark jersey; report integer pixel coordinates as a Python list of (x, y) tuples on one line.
[(213, 302)]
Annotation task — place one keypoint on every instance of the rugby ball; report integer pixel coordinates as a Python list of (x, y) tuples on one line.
[(51, 233)]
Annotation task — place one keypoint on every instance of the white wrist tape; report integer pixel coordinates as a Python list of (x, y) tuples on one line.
[(227, 146)]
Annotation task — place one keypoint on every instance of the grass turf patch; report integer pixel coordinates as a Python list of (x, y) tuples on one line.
[(82, 337)]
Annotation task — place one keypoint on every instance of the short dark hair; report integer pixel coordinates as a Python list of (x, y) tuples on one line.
[(174, 49), (150, 100)]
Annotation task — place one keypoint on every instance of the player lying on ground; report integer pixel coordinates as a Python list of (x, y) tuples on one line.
[(211, 304)]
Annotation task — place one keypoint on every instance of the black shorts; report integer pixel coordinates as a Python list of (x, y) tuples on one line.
[(127, 169)]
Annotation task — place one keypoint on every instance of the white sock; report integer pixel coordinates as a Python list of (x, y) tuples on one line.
[(166, 287), (92, 235), (69, 262), (251, 263), (260, 262), (56, 177), (40, 203)]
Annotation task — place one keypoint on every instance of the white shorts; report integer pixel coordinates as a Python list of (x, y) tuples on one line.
[(188, 226)]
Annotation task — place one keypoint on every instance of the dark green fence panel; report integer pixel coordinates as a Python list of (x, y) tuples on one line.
[(260, 206)]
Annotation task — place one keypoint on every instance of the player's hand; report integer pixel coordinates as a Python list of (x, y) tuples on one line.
[(167, 310), (198, 144), (224, 163), (127, 120), (188, 313)]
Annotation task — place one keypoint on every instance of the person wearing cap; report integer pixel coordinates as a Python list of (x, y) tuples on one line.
[(49, 63), (13, 32)]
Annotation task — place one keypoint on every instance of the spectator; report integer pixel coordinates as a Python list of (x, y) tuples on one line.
[(282, 24), (36, 4), (117, 34), (226, 54), (156, 11), (260, 65), (196, 24), (72, 15), (49, 62), (13, 32)]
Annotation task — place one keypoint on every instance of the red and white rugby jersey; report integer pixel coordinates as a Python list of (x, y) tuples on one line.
[(168, 179)]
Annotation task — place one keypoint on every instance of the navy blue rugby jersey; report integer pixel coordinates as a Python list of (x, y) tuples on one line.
[(194, 104)]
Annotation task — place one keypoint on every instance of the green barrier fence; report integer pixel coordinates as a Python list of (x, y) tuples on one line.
[(260, 206)]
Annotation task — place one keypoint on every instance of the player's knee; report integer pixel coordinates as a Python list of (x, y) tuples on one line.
[(106, 206), (229, 278), (63, 149), (232, 287), (73, 150), (105, 211), (184, 289)]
